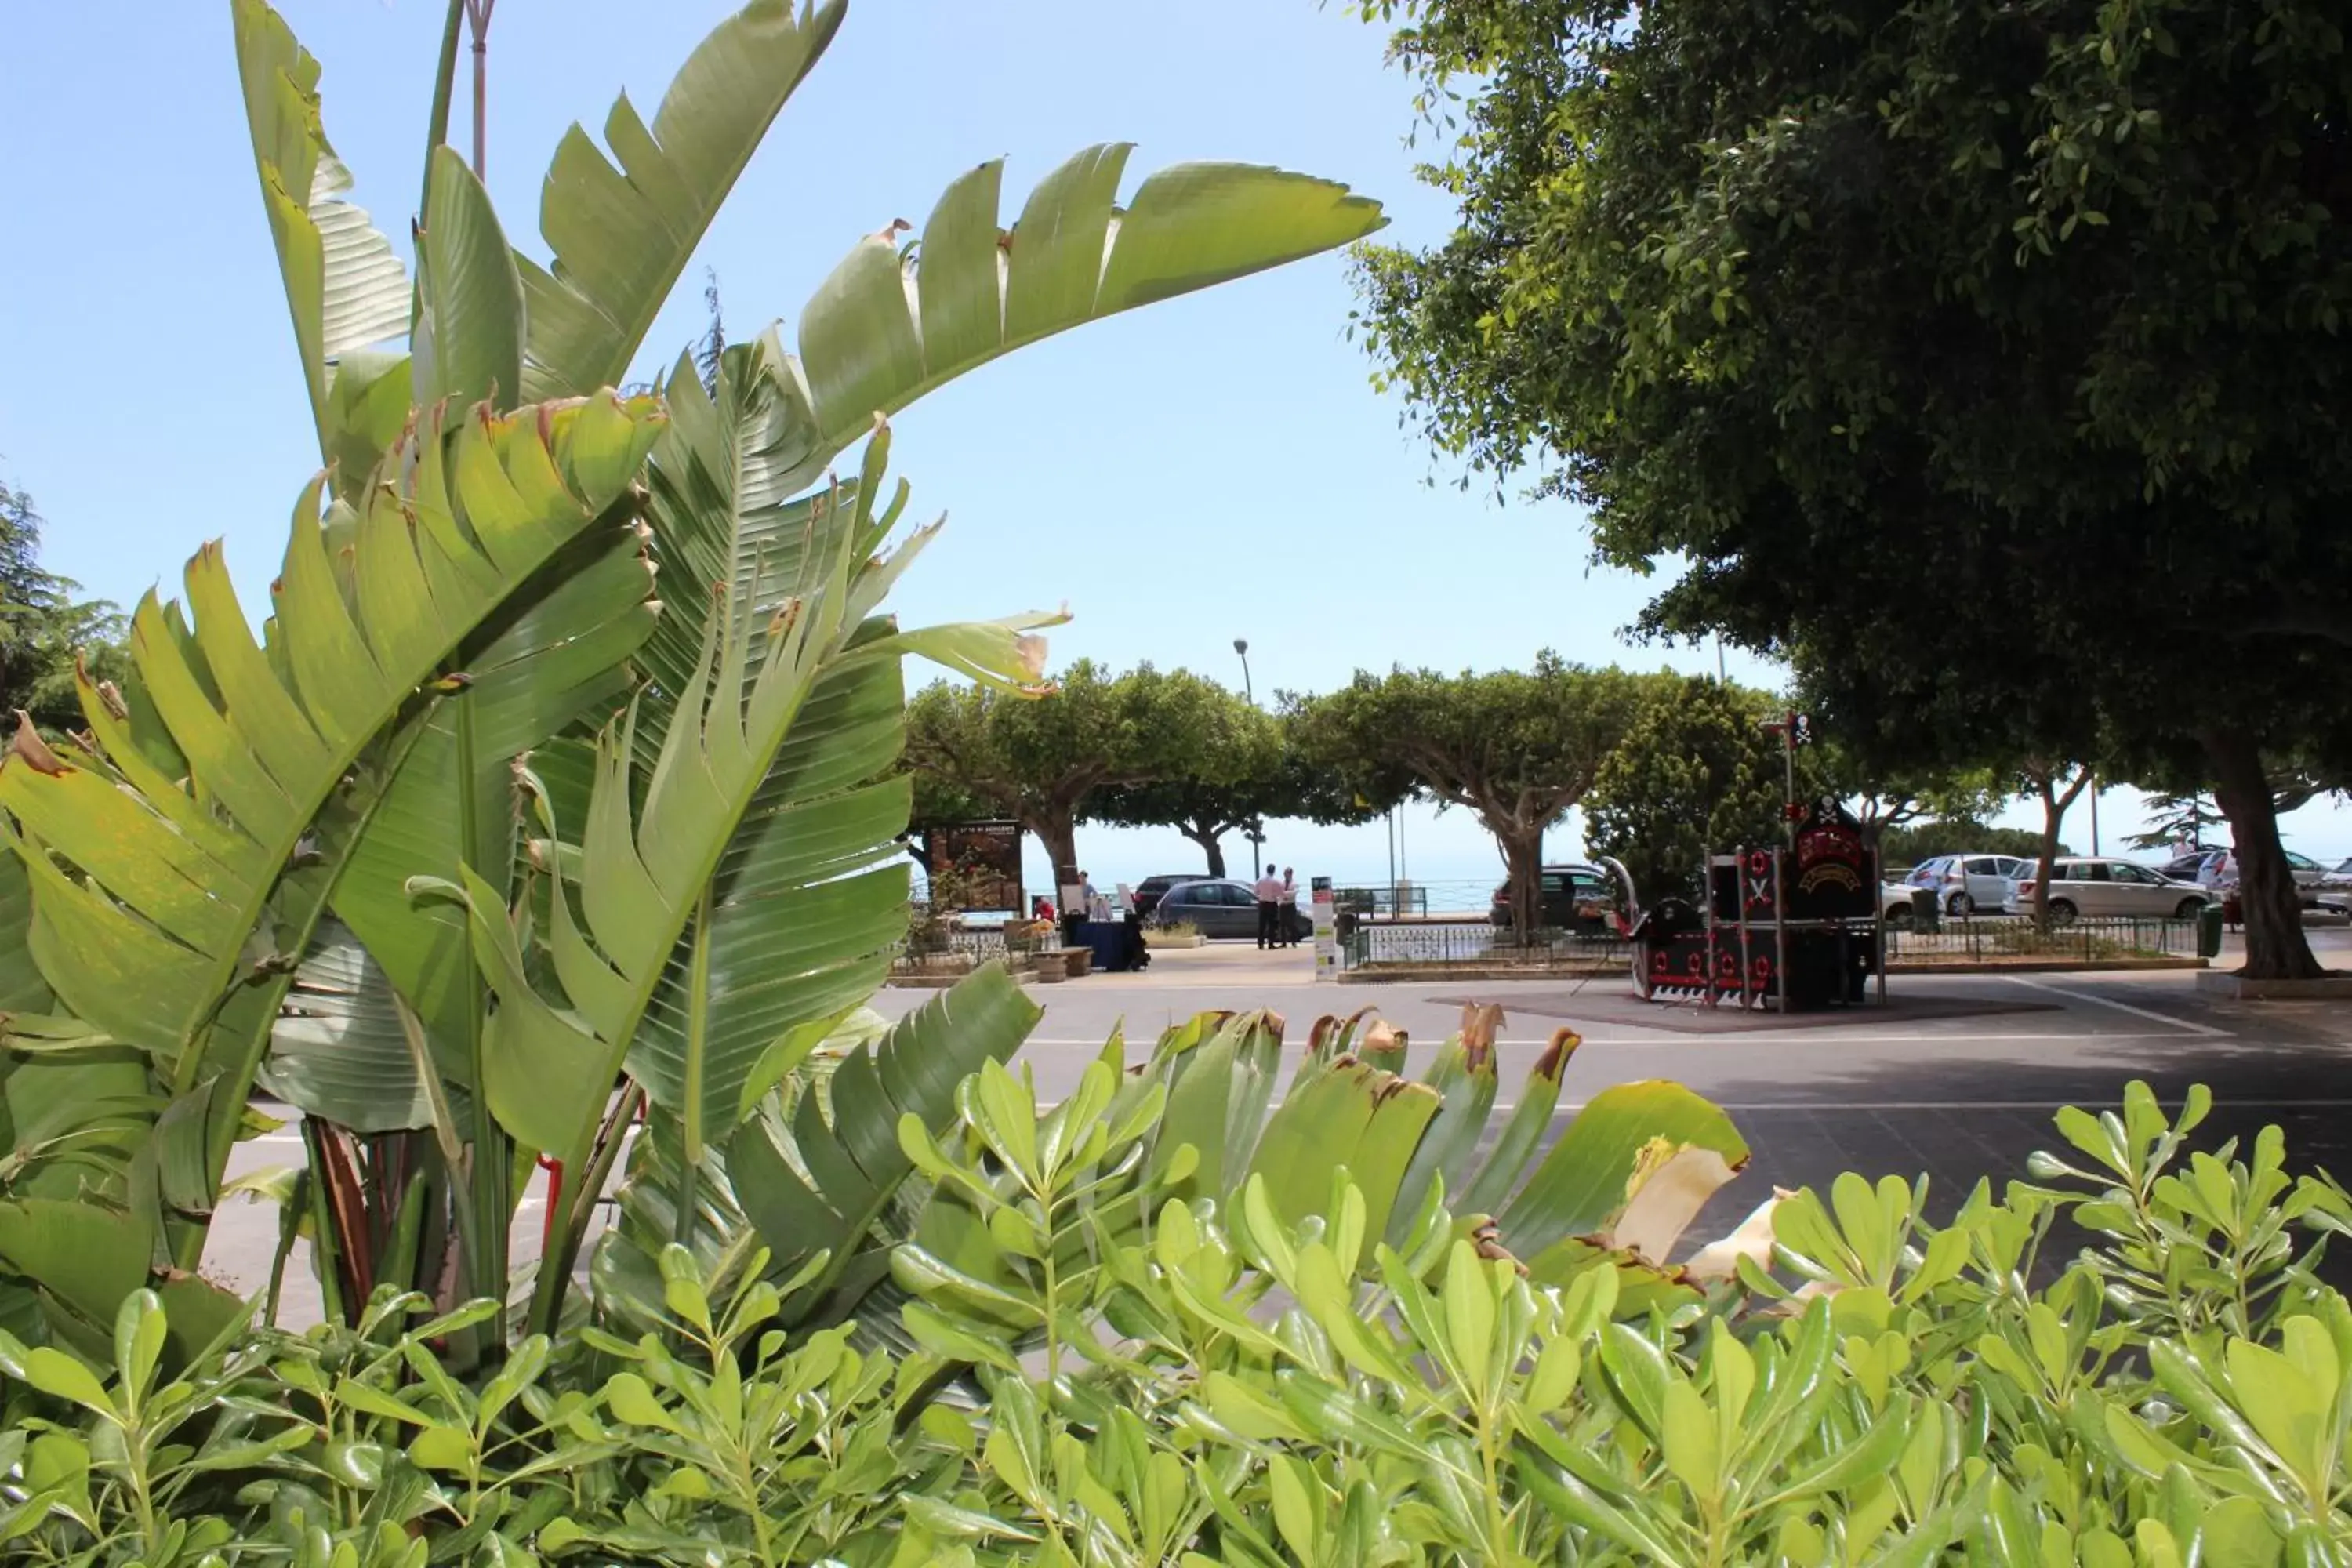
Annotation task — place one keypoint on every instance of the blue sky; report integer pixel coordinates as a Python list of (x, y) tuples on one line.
[(1211, 467)]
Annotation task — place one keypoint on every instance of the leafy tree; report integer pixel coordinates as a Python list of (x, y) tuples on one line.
[(1235, 782), (1910, 843), (45, 629), (1886, 797), (1253, 773), (1876, 324), (1694, 773), (1044, 760), (2189, 817), (1516, 748)]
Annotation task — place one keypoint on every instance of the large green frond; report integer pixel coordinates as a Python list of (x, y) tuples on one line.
[(622, 235), (893, 322), (344, 285), (169, 910), (468, 346), (555, 654), (703, 867), (822, 1183), (338, 1051)]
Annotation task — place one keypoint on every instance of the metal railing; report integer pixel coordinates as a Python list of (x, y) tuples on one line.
[(979, 943), (1976, 941), (1475, 943)]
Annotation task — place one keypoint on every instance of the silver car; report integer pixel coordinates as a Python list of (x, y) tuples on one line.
[(2096, 887), (1964, 884)]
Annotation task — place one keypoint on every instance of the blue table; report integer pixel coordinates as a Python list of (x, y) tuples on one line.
[(1109, 940)]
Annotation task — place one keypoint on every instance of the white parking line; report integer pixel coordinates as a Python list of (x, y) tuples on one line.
[(2180, 1024)]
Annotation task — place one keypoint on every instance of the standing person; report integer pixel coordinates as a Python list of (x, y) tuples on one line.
[(1269, 909), (1289, 909)]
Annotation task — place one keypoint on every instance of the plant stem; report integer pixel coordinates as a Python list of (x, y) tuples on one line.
[(477, 12)]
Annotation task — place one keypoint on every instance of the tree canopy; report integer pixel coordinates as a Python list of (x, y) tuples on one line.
[(1250, 771), (1991, 354), (1043, 760), (44, 626), (1516, 748), (1695, 774)]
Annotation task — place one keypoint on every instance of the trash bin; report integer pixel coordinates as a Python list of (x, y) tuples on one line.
[(1926, 910), (2208, 931)]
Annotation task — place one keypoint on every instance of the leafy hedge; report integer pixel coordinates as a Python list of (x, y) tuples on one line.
[(1201, 1388)]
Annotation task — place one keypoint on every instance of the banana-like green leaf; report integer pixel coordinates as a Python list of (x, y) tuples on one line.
[(890, 324), (164, 908), (73, 1104), (621, 236), (21, 989), (470, 345), (554, 654), (85, 1258), (846, 1162), (338, 1052), (1220, 1073), (1619, 1185), (653, 918), (1347, 1114), (344, 285), (1522, 1136), (1464, 1079), (1628, 1144)]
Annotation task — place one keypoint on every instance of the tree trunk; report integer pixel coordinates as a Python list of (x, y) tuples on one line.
[(2275, 945), (1523, 856), (1057, 828), (1208, 835), (2055, 803), (2046, 859)]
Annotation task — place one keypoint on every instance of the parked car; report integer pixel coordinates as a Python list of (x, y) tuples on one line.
[(2316, 886), (1967, 883), (1575, 897), (2218, 869), (1148, 892), (2087, 885), (1221, 909), (1894, 903)]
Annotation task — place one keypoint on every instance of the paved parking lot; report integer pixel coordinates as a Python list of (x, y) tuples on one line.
[(1957, 1078)]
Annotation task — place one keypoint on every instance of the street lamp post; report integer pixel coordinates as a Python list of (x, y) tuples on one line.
[(1256, 836)]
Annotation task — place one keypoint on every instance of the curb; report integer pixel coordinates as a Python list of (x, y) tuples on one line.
[(2237, 987), (1383, 975), (2047, 966)]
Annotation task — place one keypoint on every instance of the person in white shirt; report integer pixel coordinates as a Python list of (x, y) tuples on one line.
[(1289, 917), (1269, 909)]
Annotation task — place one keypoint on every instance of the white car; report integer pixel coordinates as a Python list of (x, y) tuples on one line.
[(1967, 883), (2097, 886), (1894, 903)]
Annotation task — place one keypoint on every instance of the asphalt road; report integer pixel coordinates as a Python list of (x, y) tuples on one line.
[(1958, 1076)]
